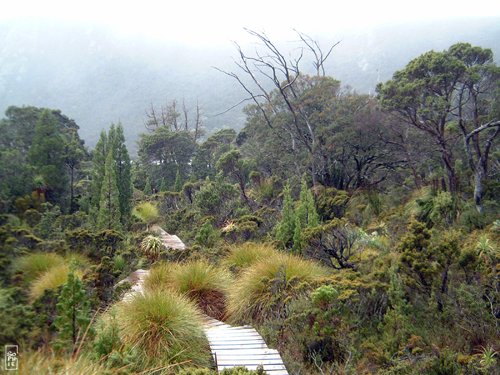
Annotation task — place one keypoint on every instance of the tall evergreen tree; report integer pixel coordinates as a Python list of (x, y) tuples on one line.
[(123, 172), (113, 141), (98, 166), (286, 227), (178, 181), (47, 156), (297, 236), (147, 187), (163, 185), (73, 314), (73, 155), (109, 204), (306, 210)]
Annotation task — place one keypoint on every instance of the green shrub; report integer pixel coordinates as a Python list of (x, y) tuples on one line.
[(445, 364), (16, 316), (331, 203), (165, 327), (207, 235), (107, 338)]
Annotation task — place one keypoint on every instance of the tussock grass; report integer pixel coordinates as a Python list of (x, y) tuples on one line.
[(200, 281), (49, 364), (165, 326), (244, 255), (160, 276), (33, 265), (265, 288), (199, 275), (51, 279), (146, 212)]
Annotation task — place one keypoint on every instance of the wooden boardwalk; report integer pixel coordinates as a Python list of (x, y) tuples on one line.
[(169, 241), (230, 346), (136, 280), (241, 346)]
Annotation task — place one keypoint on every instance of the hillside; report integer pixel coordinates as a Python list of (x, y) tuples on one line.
[(335, 232)]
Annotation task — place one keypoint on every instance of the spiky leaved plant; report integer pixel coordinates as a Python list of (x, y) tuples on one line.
[(151, 246)]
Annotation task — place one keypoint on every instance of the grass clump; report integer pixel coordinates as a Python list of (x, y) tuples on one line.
[(244, 255), (33, 265), (165, 327), (200, 281), (264, 290), (50, 364), (160, 276), (51, 279)]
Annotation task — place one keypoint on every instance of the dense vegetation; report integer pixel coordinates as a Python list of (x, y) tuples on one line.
[(358, 234)]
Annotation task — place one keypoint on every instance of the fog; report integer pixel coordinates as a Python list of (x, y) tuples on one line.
[(104, 63)]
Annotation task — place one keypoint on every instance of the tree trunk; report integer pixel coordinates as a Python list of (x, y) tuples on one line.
[(479, 175), (450, 171), (72, 207)]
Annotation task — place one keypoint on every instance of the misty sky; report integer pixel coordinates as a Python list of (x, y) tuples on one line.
[(217, 21)]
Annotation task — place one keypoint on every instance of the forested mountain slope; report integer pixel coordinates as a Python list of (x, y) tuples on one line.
[(97, 77)]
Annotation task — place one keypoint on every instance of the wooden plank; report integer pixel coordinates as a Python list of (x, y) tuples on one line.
[(238, 342), (224, 331), (249, 359), (245, 362), (232, 335), (237, 346), (254, 367), (265, 351), (241, 355)]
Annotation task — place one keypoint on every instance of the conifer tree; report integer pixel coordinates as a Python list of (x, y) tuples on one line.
[(114, 142), (74, 153), (286, 227), (123, 172), (163, 185), (98, 164), (73, 314), (306, 210), (147, 188), (297, 236), (109, 204), (178, 181), (47, 156)]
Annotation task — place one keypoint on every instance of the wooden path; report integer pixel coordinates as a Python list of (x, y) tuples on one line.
[(230, 346), (241, 346), (169, 241), (136, 279)]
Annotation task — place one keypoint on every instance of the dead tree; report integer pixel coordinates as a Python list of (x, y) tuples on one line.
[(168, 116), (269, 67)]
